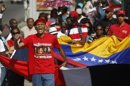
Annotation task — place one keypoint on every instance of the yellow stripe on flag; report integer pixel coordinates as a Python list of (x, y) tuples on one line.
[(102, 47)]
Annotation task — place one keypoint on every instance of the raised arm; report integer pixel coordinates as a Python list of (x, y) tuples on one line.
[(18, 44)]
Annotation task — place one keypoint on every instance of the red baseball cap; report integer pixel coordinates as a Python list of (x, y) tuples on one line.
[(73, 14), (120, 12), (40, 20)]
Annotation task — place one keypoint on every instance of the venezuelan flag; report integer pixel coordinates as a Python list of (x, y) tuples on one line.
[(105, 50)]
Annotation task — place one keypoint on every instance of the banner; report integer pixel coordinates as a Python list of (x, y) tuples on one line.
[(106, 50), (50, 4)]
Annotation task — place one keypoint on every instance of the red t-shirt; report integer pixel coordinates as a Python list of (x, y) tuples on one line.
[(120, 31), (41, 58)]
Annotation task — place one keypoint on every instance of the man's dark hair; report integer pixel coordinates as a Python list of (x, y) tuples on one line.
[(43, 15), (11, 21)]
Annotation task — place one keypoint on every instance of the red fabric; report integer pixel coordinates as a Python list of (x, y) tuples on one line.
[(59, 78), (18, 66), (41, 62), (120, 31), (40, 20), (21, 68)]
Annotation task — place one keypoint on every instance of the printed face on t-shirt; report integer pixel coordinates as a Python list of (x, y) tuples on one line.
[(42, 50)]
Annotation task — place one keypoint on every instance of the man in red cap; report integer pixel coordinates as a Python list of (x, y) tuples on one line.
[(41, 54), (121, 29), (108, 20)]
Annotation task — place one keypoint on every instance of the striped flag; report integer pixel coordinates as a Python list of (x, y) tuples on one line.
[(104, 62)]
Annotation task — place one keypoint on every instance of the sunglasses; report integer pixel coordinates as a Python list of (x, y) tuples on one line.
[(15, 33)]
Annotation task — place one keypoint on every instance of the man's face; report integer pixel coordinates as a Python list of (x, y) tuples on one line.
[(69, 21), (14, 24), (40, 28), (30, 23), (120, 18), (109, 15), (99, 30)]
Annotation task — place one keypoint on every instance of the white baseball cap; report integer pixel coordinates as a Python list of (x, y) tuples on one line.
[(79, 10), (53, 30)]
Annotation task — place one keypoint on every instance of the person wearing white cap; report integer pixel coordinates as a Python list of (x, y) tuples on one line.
[(54, 31)]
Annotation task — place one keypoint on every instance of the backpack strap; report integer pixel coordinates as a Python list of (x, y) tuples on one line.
[(80, 31)]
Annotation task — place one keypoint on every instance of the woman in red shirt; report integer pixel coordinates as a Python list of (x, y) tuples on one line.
[(14, 79)]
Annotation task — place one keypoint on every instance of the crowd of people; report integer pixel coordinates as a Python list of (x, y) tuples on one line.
[(40, 37)]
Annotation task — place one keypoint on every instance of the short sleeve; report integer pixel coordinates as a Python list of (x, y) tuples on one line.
[(56, 43), (27, 40)]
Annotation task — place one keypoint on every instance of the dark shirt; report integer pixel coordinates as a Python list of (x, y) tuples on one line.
[(106, 23)]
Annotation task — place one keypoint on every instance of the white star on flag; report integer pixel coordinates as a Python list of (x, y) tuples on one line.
[(77, 59), (85, 58), (113, 62), (100, 60), (93, 59), (107, 61)]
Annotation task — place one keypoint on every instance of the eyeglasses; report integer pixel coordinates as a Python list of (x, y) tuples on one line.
[(15, 33)]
